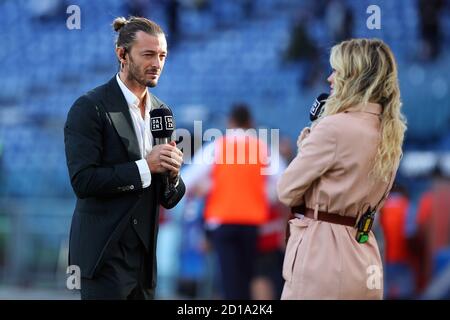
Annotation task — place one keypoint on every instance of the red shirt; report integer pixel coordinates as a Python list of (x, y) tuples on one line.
[(393, 221)]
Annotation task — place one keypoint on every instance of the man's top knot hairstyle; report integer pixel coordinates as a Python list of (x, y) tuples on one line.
[(127, 30), (119, 22)]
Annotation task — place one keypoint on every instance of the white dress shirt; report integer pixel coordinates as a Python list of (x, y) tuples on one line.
[(141, 128)]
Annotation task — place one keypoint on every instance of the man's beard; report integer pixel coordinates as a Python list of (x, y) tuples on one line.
[(135, 74)]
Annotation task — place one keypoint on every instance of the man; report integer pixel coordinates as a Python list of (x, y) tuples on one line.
[(431, 241), (237, 199), (116, 173), (398, 280)]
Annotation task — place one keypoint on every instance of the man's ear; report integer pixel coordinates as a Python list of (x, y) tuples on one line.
[(120, 53)]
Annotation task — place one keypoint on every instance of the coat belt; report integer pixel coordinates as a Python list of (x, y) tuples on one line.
[(325, 216)]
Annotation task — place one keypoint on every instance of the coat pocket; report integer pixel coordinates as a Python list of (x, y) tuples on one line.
[(297, 229)]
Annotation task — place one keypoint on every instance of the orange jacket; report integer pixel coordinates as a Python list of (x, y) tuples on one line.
[(238, 191)]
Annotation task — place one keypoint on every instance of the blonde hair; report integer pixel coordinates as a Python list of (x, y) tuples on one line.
[(366, 71)]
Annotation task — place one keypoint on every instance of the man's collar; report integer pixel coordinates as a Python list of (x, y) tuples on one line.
[(130, 97)]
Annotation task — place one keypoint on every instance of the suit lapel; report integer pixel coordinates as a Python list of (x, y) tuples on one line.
[(119, 114), (155, 102)]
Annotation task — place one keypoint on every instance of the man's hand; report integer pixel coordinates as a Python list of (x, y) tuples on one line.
[(172, 159), (165, 157)]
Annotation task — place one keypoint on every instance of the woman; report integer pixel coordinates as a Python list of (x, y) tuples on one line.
[(346, 164)]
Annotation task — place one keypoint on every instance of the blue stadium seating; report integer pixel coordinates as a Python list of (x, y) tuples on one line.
[(224, 57)]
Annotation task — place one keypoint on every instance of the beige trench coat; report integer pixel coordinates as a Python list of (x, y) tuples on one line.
[(330, 173)]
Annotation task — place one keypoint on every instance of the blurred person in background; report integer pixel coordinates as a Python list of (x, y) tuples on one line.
[(303, 48), (398, 273), (268, 281), (339, 20), (237, 200), (430, 28), (46, 11), (117, 174), (343, 171), (1, 160), (432, 238), (195, 280), (172, 16)]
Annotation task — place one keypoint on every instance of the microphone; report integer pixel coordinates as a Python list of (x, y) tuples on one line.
[(162, 126), (317, 106)]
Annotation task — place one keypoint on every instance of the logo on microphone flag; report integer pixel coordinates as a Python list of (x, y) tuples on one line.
[(157, 124)]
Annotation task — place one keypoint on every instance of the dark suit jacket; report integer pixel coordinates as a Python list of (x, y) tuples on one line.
[(101, 150)]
